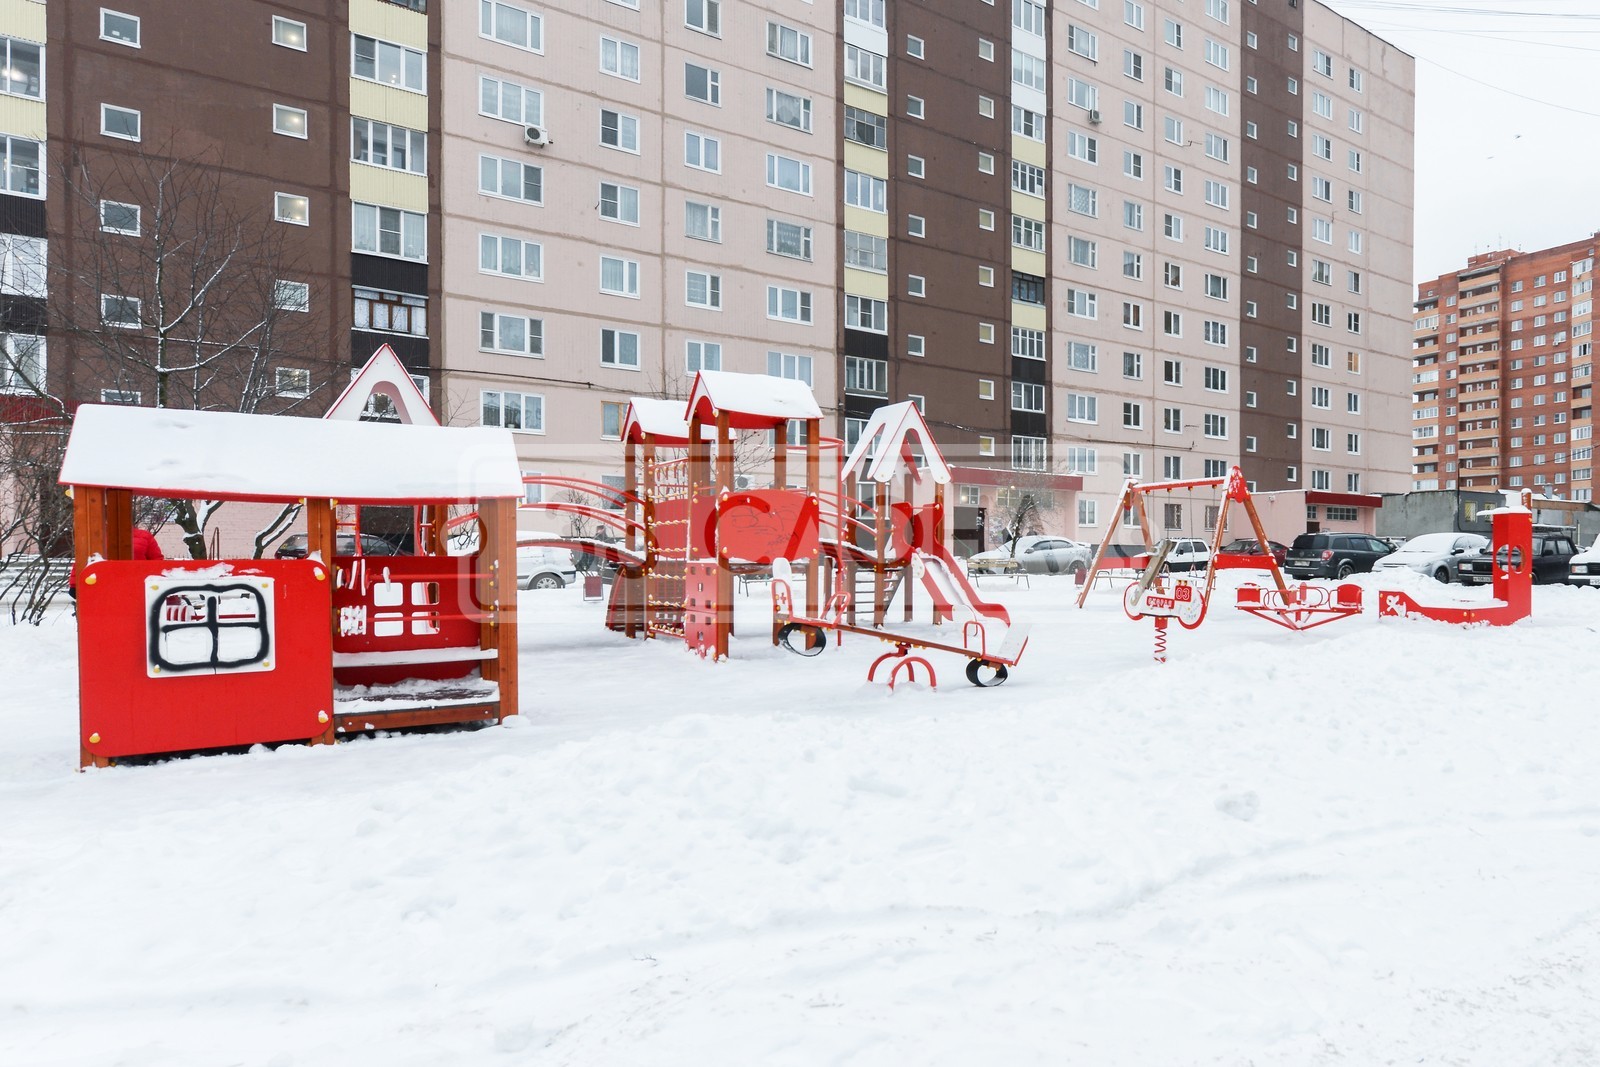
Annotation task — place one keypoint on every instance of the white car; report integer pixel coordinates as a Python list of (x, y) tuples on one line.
[(544, 567), (1433, 554), (1584, 568), (1035, 555), (1189, 554)]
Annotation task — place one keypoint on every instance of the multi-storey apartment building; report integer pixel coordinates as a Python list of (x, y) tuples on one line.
[(1502, 374), (1091, 240)]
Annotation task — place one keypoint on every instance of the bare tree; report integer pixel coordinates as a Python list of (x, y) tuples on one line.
[(35, 514), (1027, 505), (177, 288)]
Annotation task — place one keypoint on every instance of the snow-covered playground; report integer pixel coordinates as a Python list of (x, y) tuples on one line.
[(1375, 842)]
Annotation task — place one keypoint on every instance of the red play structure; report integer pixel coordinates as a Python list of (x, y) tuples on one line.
[(1297, 607), (182, 655), (1512, 533), (690, 527)]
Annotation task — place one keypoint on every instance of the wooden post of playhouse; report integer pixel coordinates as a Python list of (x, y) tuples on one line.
[(937, 534), (497, 559), (814, 490), (119, 524), (724, 566), (88, 524), (880, 507), (907, 586)]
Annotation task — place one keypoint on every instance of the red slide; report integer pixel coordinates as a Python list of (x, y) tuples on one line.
[(949, 585)]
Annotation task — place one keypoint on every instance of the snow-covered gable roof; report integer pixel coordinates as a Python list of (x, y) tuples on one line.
[(751, 401), (884, 447), (386, 375), (661, 419), (228, 455)]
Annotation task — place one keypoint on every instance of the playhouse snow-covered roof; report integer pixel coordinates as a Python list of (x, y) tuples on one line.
[(386, 375), (882, 447), (228, 455), (752, 401), (661, 419)]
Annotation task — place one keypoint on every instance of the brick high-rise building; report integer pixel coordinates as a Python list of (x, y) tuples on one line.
[(1090, 240), (1502, 375)]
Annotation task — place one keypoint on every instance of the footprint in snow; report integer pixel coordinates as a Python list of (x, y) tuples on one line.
[(1242, 806)]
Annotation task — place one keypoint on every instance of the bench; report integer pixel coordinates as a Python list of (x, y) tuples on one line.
[(1002, 568)]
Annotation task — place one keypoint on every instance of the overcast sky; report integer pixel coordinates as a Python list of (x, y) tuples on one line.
[(1508, 121)]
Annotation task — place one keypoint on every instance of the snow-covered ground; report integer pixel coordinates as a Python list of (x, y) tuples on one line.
[(1377, 842)]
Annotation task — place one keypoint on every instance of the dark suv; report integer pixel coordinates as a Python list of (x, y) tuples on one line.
[(294, 546), (1334, 555), (1552, 553)]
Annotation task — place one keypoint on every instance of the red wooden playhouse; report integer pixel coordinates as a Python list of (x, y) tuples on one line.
[(182, 655)]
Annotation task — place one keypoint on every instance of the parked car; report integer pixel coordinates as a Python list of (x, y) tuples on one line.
[(1245, 550), (1189, 554), (1037, 555), (1584, 568), (545, 567), (1552, 559), (1334, 555), (1434, 554), (294, 546)]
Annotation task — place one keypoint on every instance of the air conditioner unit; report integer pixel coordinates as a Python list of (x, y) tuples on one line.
[(1094, 116), (536, 135)]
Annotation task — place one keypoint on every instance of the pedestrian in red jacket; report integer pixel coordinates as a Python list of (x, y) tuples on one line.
[(145, 546)]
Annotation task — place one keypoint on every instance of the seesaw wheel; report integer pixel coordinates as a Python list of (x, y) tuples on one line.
[(984, 674), (803, 640)]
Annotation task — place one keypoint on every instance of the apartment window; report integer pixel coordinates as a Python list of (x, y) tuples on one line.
[(788, 43), (1172, 323), (786, 365), (1083, 200), (619, 131), (863, 191), (1083, 147), (387, 63), (702, 152), (1028, 453), (1173, 127), (1321, 439), (985, 50), (1172, 275), (866, 376), (1084, 43), (1217, 56), (512, 411), (510, 257), (864, 127), (1133, 165), (1133, 65), (916, 47), (1216, 240), (864, 67), (619, 348), (289, 121), (1082, 303), (1088, 513), (620, 59), (1132, 415), (287, 33), (619, 203), (703, 222), (788, 239), (291, 208), (1133, 265), (916, 345), (292, 381), (703, 15), (117, 217), (510, 102), (122, 123), (123, 312), (513, 180), (1028, 71), (789, 305), (702, 83), (1027, 233), (1027, 178), (375, 309), (392, 147), (916, 167), (515, 335), (986, 106), (1172, 33), (1132, 215), (1216, 194), (1133, 115), (1215, 332), (618, 276), (24, 65), (1215, 425), (1172, 371), (864, 313), (787, 109), (790, 174), (1082, 407), (512, 25), (1027, 123), (1172, 226), (703, 290), (291, 296), (702, 355), (1082, 251)]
